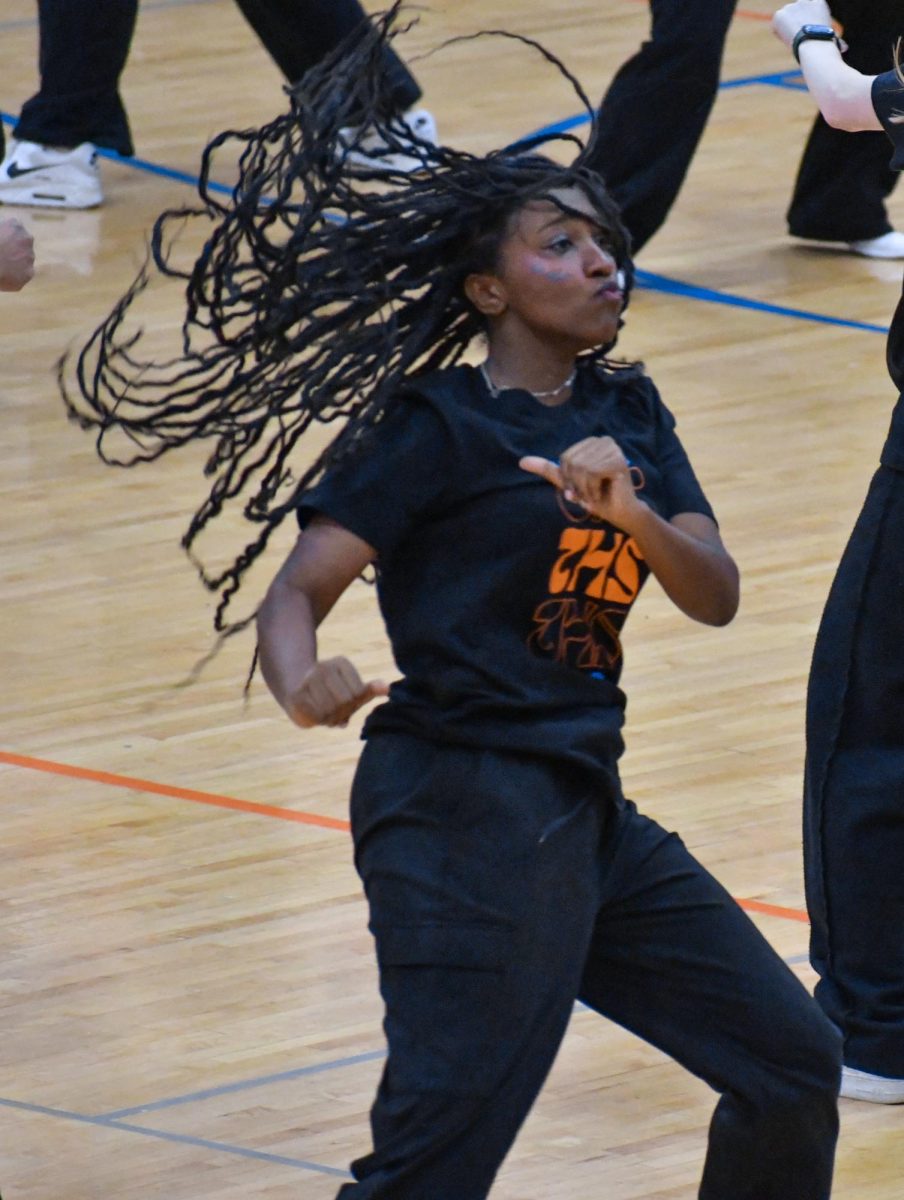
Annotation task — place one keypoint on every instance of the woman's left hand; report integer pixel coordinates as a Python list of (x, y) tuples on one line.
[(788, 21), (685, 553), (596, 475)]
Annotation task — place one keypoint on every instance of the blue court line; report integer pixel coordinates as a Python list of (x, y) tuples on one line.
[(297, 1073), (676, 287), (784, 79), (645, 279), (244, 1085), (144, 164), (180, 1138), (792, 77), (113, 1120)]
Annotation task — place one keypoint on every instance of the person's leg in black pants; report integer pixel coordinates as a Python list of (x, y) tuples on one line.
[(84, 45), (854, 794), (297, 34), (480, 876), (675, 960), (654, 113), (482, 954), (845, 178)]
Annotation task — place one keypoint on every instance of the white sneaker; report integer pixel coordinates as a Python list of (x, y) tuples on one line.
[(889, 245), (403, 144), (861, 1085), (41, 176)]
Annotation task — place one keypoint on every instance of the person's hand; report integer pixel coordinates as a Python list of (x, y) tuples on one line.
[(17, 256), (788, 21), (330, 693), (594, 474)]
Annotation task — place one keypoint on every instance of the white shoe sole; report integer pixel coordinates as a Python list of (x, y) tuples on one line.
[(889, 245), (43, 194), (877, 1089), (356, 161)]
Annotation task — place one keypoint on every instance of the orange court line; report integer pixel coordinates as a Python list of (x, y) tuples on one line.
[(263, 810), (165, 789), (774, 910)]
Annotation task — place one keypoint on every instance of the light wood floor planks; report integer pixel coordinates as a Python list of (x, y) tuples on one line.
[(188, 1000)]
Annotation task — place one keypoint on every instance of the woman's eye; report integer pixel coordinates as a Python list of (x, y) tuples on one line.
[(560, 245)]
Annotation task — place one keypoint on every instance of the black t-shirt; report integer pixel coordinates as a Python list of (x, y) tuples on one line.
[(504, 609), (888, 101)]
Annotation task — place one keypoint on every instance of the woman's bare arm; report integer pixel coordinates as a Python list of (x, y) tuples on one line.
[(324, 561), (844, 95), (685, 554)]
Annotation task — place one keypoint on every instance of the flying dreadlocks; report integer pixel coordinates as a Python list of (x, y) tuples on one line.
[(317, 292)]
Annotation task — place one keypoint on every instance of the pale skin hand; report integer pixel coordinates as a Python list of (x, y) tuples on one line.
[(685, 554), (325, 560), (789, 20), (844, 95), (17, 257)]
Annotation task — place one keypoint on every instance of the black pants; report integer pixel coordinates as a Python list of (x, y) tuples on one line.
[(654, 113), (499, 893), (84, 45), (854, 788), (844, 178), (299, 33)]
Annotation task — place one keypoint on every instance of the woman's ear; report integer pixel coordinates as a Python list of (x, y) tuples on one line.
[(486, 293)]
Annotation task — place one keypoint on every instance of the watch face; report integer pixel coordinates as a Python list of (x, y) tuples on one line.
[(818, 31)]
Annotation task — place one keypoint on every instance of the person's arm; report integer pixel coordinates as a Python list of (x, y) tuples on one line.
[(844, 95), (324, 561), (17, 257), (685, 554)]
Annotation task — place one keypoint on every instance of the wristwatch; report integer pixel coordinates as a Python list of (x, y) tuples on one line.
[(817, 33)]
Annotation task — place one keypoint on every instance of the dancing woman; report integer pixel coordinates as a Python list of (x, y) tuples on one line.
[(512, 512)]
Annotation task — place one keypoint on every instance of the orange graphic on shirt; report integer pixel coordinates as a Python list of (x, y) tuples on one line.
[(603, 563), (593, 582)]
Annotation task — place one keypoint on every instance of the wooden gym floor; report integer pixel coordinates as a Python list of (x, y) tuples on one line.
[(188, 1003)]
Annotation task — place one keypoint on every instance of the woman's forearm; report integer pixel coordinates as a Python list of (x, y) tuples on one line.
[(697, 574), (286, 640), (325, 560), (843, 95)]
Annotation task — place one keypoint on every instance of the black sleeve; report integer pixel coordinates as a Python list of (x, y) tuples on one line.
[(682, 491), (888, 101), (396, 477)]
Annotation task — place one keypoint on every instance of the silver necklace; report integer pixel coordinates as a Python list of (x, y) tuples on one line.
[(494, 390)]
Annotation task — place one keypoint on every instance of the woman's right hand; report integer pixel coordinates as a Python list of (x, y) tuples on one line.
[(330, 693)]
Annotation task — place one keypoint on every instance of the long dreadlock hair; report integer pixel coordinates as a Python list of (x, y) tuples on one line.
[(317, 292)]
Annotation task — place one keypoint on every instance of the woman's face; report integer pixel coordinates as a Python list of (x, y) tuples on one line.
[(556, 276)]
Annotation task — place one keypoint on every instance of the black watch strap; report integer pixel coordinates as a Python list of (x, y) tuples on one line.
[(815, 33)]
